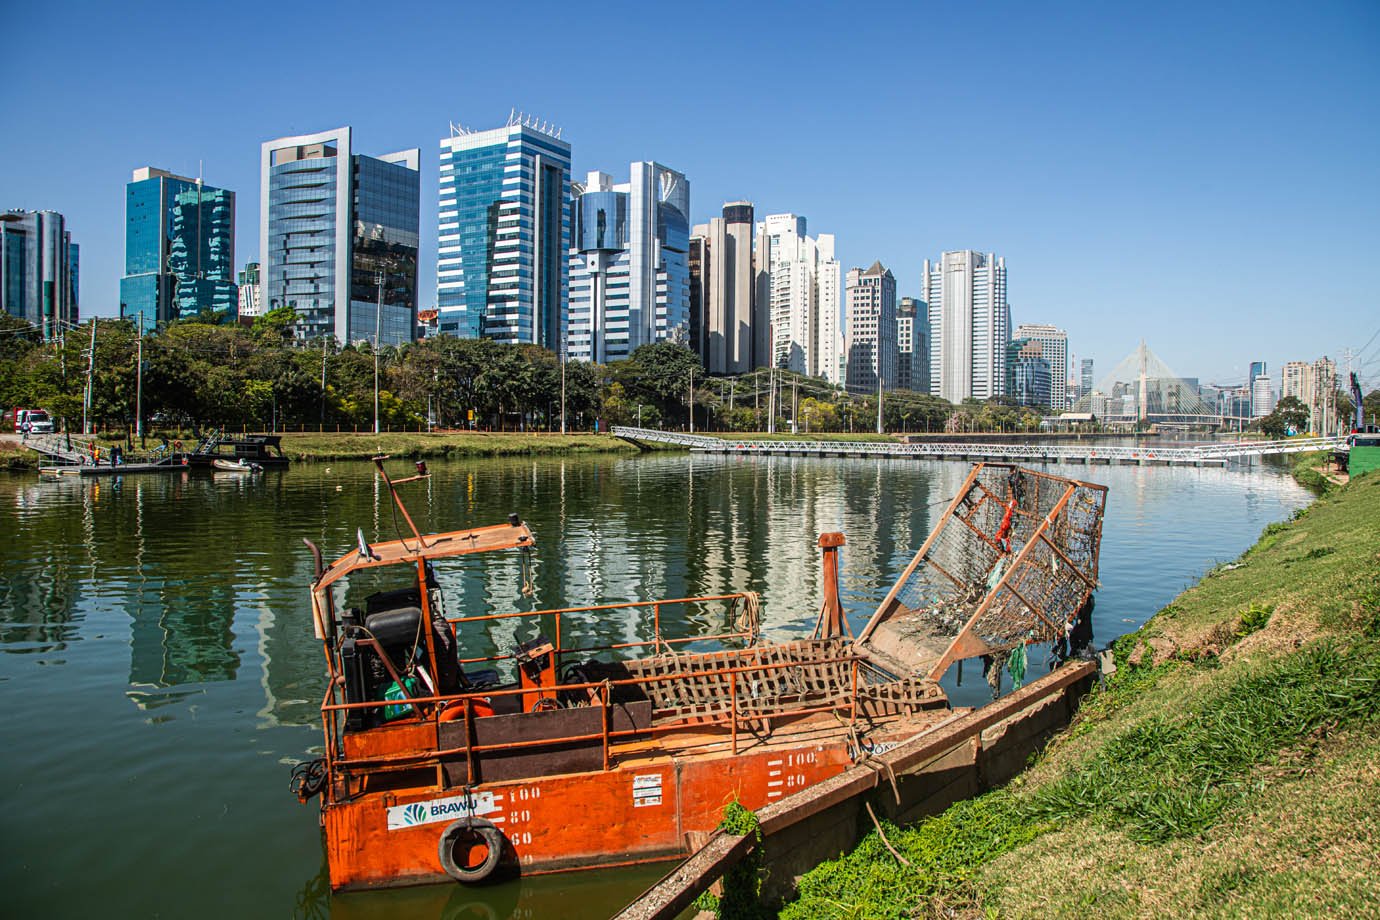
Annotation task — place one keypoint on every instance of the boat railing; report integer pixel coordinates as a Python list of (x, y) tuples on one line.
[(742, 707), (742, 608)]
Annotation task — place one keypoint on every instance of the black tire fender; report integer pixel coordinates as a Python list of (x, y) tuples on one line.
[(470, 827)]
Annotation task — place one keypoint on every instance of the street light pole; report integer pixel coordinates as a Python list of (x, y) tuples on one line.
[(139, 386), (692, 400), (378, 331)]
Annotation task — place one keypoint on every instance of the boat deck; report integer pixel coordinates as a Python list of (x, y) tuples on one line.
[(711, 741)]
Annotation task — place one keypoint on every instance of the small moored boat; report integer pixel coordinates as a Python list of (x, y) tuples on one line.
[(235, 466)]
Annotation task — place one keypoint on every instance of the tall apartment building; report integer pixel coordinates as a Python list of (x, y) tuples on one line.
[(39, 270), (798, 280), (1262, 390), (734, 330), (1029, 374), (629, 265), (912, 345), (970, 324), (332, 225), (179, 249), (503, 246), (1315, 385), (870, 296), (249, 281), (1054, 344)]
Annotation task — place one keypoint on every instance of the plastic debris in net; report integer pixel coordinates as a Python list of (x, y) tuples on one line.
[(1012, 558)]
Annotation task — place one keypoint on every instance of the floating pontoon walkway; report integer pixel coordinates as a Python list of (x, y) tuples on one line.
[(1089, 453)]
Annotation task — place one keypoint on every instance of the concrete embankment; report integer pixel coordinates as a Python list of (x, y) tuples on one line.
[(1231, 766)]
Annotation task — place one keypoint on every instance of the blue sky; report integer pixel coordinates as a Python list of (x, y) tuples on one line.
[(1204, 176)]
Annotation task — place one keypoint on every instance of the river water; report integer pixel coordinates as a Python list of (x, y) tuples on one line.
[(158, 674)]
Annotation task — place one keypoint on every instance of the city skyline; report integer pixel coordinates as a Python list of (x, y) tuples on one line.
[(1180, 227)]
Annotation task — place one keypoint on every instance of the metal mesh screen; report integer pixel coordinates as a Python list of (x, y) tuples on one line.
[(1013, 558)]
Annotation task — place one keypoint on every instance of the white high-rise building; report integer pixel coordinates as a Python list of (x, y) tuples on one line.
[(1262, 396), (872, 355), (970, 324), (1054, 347), (629, 270), (798, 278)]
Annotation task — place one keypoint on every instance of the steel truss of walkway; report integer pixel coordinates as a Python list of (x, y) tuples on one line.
[(1143, 455)]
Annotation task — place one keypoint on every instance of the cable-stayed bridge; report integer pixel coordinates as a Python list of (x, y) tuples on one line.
[(1087, 453)]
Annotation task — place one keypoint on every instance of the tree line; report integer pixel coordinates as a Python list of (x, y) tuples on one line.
[(202, 375)]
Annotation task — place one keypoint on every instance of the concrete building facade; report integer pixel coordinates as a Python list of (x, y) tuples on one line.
[(912, 345), (798, 280), (1054, 346), (970, 324), (734, 329), (870, 296)]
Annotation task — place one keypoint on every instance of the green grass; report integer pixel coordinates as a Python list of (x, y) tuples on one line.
[(1237, 775), (420, 445)]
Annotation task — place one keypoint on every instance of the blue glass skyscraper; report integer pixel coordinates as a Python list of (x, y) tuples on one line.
[(504, 234), (333, 224), (179, 249)]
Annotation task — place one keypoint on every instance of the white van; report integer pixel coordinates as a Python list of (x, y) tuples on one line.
[(33, 421)]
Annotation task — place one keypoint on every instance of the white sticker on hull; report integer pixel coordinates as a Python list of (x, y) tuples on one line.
[(646, 790), (433, 810)]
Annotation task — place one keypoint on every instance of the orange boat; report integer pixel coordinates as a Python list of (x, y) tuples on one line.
[(556, 756)]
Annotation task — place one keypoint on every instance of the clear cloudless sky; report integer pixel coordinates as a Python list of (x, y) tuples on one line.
[(1205, 176)]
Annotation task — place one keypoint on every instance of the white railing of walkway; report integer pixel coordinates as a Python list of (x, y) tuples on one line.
[(60, 446), (1079, 453)]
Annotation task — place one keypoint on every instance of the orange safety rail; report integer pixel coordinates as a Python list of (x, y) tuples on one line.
[(657, 640), (732, 718)]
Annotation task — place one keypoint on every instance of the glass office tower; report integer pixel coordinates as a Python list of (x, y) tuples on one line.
[(504, 234), (629, 268), (179, 249), (38, 270), (338, 237)]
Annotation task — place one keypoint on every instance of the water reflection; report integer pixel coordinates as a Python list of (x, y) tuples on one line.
[(163, 622)]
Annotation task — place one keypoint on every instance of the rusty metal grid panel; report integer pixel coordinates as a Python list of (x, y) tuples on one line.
[(1012, 558)]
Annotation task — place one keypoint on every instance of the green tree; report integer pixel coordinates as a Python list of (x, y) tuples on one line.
[(1289, 414)]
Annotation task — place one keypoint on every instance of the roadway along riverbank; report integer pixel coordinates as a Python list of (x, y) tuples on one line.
[(1231, 765)]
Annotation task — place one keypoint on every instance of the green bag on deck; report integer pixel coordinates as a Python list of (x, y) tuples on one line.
[(395, 694)]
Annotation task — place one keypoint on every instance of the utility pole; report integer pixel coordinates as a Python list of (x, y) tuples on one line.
[(323, 383), (139, 385), (879, 386), (562, 390), (795, 403), (692, 400), (378, 331), (90, 370)]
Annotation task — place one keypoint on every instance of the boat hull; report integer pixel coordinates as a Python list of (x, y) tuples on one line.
[(638, 811)]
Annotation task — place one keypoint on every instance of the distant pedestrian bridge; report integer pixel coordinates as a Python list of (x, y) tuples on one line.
[(1083, 452)]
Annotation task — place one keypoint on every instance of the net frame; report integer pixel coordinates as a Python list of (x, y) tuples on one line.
[(980, 585)]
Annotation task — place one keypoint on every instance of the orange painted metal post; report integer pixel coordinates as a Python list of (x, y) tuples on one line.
[(656, 622), (733, 707), (833, 624)]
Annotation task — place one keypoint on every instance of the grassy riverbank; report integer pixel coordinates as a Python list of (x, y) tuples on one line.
[(1230, 767), (421, 445)]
